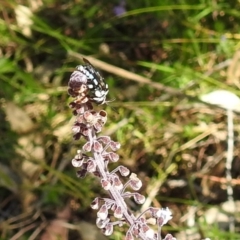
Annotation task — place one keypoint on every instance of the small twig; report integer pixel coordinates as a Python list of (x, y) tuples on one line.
[(126, 74), (229, 166)]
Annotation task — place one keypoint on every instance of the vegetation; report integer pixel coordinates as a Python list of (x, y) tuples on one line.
[(176, 145)]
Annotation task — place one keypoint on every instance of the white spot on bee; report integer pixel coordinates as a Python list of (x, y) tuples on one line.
[(95, 81), (98, 93)]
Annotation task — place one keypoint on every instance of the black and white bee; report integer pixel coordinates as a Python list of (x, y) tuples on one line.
[(97, 87)]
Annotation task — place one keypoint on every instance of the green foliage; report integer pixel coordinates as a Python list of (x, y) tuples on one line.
[(164, 136)]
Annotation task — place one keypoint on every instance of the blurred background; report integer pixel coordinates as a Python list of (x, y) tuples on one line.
[(172, 53)]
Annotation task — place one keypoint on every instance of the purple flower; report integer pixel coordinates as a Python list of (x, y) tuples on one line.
[(99, 151), (120, 9)]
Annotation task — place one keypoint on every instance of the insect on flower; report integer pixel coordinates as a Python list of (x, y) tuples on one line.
[(97, 87)]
